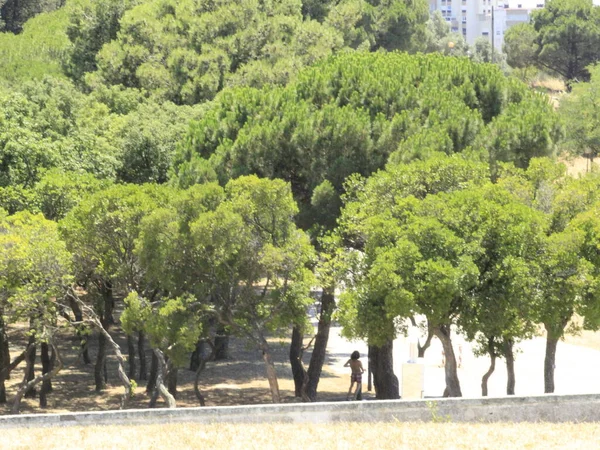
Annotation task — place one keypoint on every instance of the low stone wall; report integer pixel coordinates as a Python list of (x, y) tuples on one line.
[(547, 408)]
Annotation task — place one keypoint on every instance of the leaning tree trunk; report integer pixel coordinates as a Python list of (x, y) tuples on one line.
[(271, 372), (422, 348), (29, 385), (46, 368), (508, 345), (160, 386), (142, 356), (488, 374), (384, 379), (442, 332), (298, 370), (317, 358)]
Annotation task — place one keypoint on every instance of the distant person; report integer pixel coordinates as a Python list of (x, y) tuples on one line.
[(356, 376)]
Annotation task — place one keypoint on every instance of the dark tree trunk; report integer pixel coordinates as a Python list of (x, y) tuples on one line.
[(46, 368), (549, 364), (172, 379), (4, 358), (442, 332), (99, 375), (488, 374), (151, 385), (382, 363), (369, 372), (508, 345), (317, 358), (221, 343), (30, 369), (298, 370), (100, 370), (554, 332), (142, 355), (131, 357), (197, 355)]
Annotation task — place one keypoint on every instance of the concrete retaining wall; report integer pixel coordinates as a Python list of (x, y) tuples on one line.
[(548, 408)]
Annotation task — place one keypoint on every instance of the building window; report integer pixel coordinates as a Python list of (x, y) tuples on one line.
[(519, 6), (464, 30), (539, 5)]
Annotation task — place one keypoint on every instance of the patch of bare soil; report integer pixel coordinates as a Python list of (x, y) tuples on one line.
[(239, 380)]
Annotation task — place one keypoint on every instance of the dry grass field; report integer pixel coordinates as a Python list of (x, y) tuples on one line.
[(311, 436)]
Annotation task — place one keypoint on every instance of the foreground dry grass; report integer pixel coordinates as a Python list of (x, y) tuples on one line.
[(312, 436)]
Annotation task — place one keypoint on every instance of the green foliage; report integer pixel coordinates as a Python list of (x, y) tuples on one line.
[(568, 37), (520, 45), (14, 13), (50, 124), (35, 267), (37, 51), (350, 114), (171, 326), (188, 51), (580, 111), (238, 248), (102, 229)]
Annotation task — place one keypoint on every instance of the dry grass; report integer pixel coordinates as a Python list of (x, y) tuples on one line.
[(312, 436)]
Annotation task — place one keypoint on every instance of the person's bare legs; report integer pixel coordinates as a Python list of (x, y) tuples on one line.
[(350, 390), (358, 389)]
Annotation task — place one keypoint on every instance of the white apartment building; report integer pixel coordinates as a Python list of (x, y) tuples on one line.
[(485, 18)]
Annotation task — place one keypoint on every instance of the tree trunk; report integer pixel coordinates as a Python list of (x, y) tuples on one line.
[(31, 392), (100, 370), (4, 358), (99, 375), (422, 348), (508, 345), (142, 355), (160, 386), (298, 370), (46, 368), (131, 357), (29, 385), (172, 379), (317, 358), (80, 330), (553, 332), (151, 385), (201, 366), (384, 379), (221, 343), (271, 373), (488, 374), (442, 332), (549, 364), (369, 372)]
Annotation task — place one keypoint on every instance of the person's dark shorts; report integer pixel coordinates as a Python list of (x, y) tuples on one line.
[(356, 378)]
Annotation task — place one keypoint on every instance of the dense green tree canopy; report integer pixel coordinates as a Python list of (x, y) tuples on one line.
[(349, 114)]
